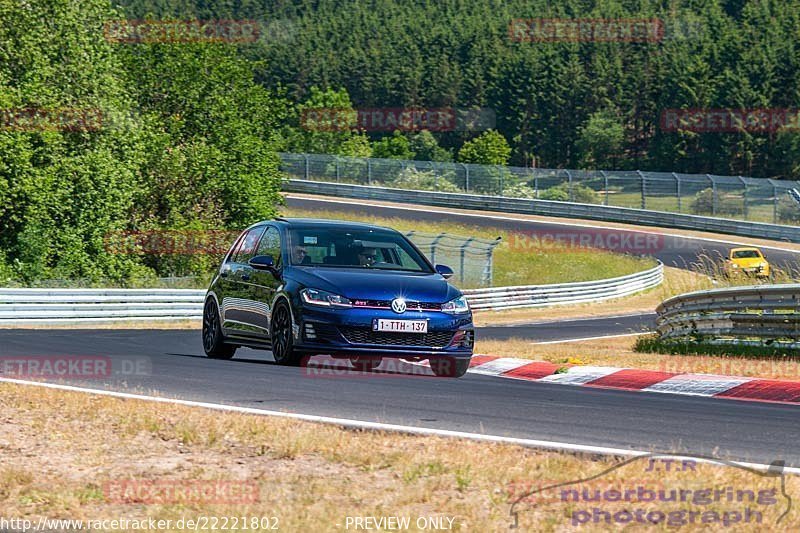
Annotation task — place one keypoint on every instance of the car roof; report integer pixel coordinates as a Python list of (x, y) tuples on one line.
[(745, 248), (324, 222)]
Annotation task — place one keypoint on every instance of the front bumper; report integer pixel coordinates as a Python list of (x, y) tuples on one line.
[(759, 272), (348, 332)]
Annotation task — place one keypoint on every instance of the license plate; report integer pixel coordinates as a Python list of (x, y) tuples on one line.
[(401, 326)]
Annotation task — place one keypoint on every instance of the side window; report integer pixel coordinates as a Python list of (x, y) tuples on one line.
[(236, 245), (247, 246), (271, 245)]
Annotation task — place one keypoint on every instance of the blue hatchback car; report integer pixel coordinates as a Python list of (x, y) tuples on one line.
[(303, 287)]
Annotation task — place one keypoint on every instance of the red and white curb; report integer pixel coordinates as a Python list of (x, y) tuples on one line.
[(731, 387), (608, 377)]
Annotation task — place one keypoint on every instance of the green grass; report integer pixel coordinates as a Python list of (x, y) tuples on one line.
[(655, 344), (756, 212), (513, 265)]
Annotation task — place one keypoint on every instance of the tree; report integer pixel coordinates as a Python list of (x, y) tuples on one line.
[(711, 55), (66, 179), (421, 146), (600, 141), (425, 147), (394, 146), (327, 124), (489, 148), (212, 137), (137, 137)]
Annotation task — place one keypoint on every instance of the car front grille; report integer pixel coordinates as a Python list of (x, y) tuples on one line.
[(387, 304), (434, 339)]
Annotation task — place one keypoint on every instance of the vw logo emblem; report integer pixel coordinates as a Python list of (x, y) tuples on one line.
[(399, 305)]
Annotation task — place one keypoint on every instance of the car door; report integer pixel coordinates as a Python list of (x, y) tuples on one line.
[(225, 285), (264, 283), (236, 309)]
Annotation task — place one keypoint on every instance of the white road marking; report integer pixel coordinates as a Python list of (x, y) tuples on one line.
[(562, 321), (395, 428), (595, 338)]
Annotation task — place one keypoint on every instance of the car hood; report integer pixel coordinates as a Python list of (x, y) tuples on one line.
[(376, 284), (748, 262)]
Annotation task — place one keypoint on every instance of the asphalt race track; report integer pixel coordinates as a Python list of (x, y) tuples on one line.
[(567, 329), (679, 252), (176, 367), (172, 364)]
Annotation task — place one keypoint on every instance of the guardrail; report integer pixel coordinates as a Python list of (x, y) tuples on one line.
[(498, 298), (628, 215), (53, 306), (733, 315), (56, 306)]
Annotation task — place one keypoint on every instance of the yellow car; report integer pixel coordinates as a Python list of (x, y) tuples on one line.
[(748, 261)]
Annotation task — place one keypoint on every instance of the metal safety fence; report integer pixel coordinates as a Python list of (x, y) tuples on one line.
[(470, 258), (736, 197), (565, 293), (640, 217), (738, 315), (53, 306), (26, 306)]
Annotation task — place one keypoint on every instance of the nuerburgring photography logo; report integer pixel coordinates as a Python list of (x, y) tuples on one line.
[(659, 490)]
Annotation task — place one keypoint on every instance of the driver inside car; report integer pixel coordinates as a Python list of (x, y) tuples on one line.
[(367, 256), (300, 256)]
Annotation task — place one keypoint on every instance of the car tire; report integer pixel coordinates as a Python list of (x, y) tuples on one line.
[(213, 339), (365, 363), (449, 367), (281, 337)]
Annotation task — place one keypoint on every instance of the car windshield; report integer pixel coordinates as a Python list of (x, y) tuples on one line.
[(746, 254), (354, 248)]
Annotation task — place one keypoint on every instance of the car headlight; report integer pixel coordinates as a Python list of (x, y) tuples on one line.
[(456, 306), (324, 298), (734, 265)]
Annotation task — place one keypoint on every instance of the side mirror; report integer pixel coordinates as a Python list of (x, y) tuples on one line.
[(265, 262), (262, 262), (445, 271)]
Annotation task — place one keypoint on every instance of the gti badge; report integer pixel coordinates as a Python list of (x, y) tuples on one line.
[(399, 305)]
